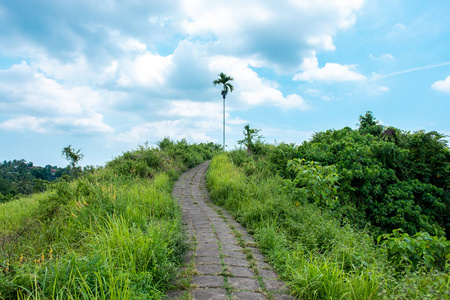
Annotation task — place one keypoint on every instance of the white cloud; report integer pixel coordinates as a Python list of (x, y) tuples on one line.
[(253, 90), (265, 28), (382, 57), (149, 70), (94, 124), (24, 123), (175, 129), (31, 100), (383, 89), (133, 45), (191, 109), (331, 72), (442, 85), (313, 92)]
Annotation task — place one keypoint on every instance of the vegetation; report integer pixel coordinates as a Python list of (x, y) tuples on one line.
[(19, 177), (351, 214), (114, 233), (251, 139), (388, 178), (73, 157)]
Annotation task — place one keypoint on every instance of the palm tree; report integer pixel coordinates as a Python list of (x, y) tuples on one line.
[(224, 80)]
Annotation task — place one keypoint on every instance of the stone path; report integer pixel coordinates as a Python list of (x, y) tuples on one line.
[(224, 262)]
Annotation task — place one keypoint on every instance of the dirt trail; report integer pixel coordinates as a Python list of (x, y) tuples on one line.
[(224, 262)]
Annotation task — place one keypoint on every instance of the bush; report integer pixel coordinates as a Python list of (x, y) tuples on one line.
[(320, 256)]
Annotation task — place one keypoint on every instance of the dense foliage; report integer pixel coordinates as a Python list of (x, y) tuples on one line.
[(319, 255), (19, 177), (114, 233), (388, 177), (354, 214)]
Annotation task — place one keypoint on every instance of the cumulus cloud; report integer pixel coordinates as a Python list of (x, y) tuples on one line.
[(87, 64), (175, 129), (191, 109), (42, 104), (331, 72), (149, 70), (253, 90), (262, 27), (24, 123), (442, 85)]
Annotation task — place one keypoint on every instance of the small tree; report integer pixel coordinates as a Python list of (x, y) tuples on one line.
[(368, 124), (250, 135), (74, 157)]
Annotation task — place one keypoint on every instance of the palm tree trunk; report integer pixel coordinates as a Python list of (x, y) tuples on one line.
[(223, 123)]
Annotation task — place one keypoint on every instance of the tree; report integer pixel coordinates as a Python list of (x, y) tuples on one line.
[(369, 125), (73, 157), (249, 135), (224, 80)]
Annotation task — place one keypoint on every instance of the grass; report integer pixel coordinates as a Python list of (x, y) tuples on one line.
[(111, 234), (13, 214), (319, 256), (106, 240)]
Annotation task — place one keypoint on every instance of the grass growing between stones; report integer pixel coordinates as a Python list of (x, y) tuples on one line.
[(316, 254)]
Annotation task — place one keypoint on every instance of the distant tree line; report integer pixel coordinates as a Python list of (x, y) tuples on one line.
[(19, 177)]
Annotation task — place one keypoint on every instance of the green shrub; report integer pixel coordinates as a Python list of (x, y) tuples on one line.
[(412, 252), (320, 256)]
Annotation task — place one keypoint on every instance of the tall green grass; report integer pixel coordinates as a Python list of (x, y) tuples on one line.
[(103, 239), (320, 257), (13, 214), (111, 234)]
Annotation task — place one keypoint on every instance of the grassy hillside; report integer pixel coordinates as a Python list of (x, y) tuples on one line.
[(320, 255), (111, 234)]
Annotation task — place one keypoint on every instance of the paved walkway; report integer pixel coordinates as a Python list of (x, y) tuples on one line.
[(224, 262)]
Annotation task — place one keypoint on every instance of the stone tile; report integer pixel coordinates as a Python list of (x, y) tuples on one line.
[(226, 233), (235, 254), (207, 260), (278, 296), (207, 239), (268, 274), (204, 246), (259, 257), (263, 265), (239, 262), (247, 238), (208, 252), (228, 240), (209, 294), (222, 228), (241, 271), (231, 247), (241, 283), (205, 232), (248, 296), (209, 269), (275, 285)]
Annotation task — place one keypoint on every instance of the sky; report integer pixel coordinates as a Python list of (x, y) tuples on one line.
[(106, 77)]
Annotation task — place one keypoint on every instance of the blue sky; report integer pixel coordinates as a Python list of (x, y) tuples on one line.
[(107, 78)]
